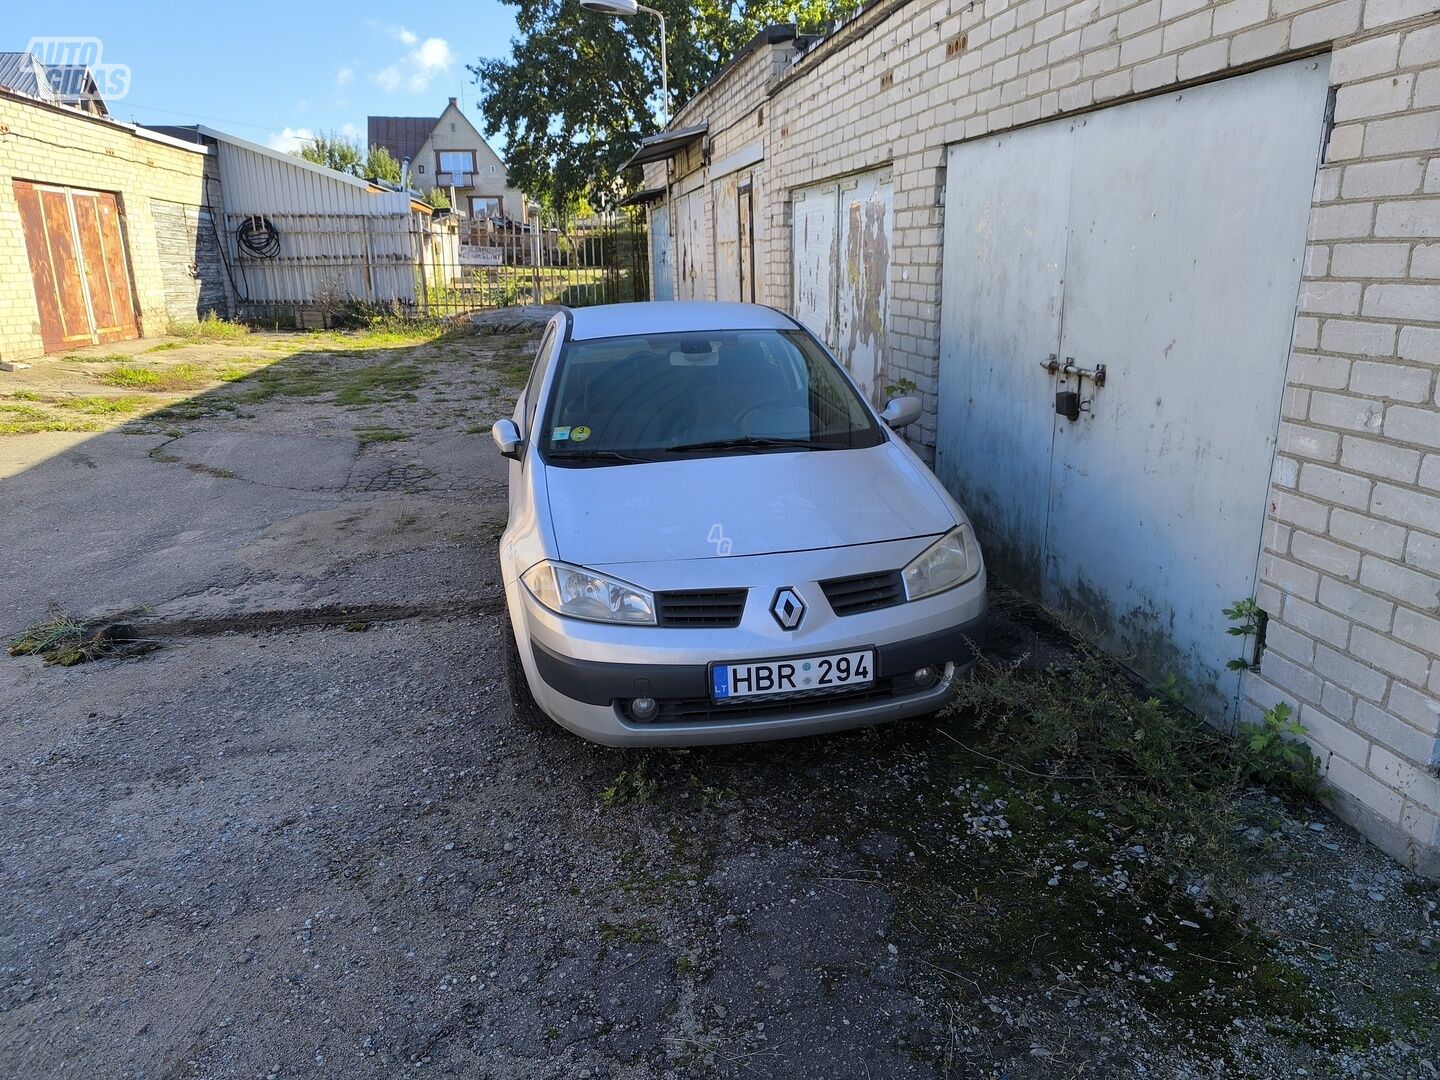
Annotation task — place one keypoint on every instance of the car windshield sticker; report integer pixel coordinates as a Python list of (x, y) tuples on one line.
[(579, 433), (560, 434)]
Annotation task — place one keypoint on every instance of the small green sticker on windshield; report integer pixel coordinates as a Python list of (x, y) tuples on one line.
[(579, 434), (560, 434)]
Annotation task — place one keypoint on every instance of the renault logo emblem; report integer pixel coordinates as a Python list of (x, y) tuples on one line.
[(787, 608)]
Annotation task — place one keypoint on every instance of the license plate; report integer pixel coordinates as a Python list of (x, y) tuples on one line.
[(793, 675)]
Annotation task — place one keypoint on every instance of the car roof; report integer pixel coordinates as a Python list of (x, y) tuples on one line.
[(672, 316)]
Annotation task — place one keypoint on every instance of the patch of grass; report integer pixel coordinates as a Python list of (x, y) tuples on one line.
[(380, 383), (133, 377), (166, 346), (28, 420), (99, 405), (210, 328), (106, 358), (27, 395), (367, 436), (65, 640), (159, 380), (375, 384), (241, 369)]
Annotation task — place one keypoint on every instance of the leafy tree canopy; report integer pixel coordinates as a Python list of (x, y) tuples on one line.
[(336, 152), (380, 164), (333, 151), (580, 90)]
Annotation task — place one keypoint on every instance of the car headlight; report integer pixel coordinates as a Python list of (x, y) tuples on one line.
[(952, 560), (584, 594)]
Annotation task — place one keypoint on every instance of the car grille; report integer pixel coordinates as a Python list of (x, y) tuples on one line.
[(700, 607), (864, 592), (703, 710)]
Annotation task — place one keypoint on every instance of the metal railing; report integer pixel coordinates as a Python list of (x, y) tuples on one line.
[(319, 269)]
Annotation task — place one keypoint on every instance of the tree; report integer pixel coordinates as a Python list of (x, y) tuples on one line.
[(380, 164), (579, 90), (333, 151), (437, 198)]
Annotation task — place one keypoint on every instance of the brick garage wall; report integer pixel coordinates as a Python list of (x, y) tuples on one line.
[(735, 106), (56, 145), (1351, 570)]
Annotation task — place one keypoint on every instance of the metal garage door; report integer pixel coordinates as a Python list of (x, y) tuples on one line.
[(692, 258), (1163, 240), (661, 246), (76, 250), (841, 264)]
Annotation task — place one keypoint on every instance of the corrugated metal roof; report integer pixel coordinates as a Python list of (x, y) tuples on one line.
[(401, 135), (25, 74)]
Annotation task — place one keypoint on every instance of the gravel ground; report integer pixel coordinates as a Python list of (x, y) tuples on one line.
[(306, 838)]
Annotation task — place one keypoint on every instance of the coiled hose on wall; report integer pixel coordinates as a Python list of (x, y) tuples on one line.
[(258, 238)]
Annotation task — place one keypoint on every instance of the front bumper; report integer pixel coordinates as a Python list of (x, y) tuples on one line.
[(591, 697)]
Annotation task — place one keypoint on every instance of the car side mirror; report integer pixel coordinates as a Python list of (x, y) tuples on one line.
[(507, 438), (900, 411)]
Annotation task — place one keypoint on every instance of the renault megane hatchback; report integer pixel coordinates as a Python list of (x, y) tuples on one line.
[(714, 537)]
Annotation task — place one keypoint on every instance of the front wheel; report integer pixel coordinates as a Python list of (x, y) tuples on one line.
[(522, 701)]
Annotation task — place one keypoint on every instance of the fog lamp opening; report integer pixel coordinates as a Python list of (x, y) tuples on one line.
[(643, 709)]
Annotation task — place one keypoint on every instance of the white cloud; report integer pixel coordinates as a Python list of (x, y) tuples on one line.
[(350, 131), (289, 140), (345, 76), (414, 72)]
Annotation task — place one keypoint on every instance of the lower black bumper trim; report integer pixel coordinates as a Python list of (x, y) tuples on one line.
[(600, 683)]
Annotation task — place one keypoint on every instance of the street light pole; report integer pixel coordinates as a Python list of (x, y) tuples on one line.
[(620, 9)]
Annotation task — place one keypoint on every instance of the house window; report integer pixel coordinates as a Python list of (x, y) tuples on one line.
[(455, 161), (486, 206)]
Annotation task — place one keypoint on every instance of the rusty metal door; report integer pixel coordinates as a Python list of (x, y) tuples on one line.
[(1171, 230), (862, 298), (841, 262), (814, 252), (74, 242), (745, 208), (691, 258), (727, 237)]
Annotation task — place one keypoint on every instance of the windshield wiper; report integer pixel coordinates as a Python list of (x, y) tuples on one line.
[(588, 456), (754, 442)]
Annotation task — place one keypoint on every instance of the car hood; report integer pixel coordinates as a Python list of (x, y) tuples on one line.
[(745, 504)]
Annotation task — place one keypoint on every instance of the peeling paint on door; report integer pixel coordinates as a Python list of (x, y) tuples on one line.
[(842, 244)]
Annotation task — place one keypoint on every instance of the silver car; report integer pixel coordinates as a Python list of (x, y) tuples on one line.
[(714, 537)]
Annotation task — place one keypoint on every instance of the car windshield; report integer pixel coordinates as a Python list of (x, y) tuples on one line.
[(658, 397)]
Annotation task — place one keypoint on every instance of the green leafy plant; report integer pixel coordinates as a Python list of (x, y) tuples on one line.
[(631, 785), (1273, 751), (1247, 618), (900, 387)]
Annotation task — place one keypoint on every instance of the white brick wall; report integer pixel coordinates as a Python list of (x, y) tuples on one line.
[(1351, 568)]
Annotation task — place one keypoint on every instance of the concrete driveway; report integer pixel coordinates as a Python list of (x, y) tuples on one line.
[(305, 838)]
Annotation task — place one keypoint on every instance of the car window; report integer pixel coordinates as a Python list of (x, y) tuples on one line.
[(657, 396), (537, 376)]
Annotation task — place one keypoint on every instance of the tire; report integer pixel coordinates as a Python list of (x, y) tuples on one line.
[(526, 710)]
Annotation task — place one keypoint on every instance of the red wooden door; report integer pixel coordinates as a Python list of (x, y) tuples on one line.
[(77, 262)]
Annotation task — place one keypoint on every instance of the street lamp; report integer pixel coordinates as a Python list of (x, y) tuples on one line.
[(622, 9)]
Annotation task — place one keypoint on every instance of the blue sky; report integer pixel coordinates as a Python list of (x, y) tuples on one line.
[(275, 71)]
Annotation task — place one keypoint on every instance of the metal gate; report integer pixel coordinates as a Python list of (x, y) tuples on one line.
[(76, 249), (841, 252), (1119, 298)]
